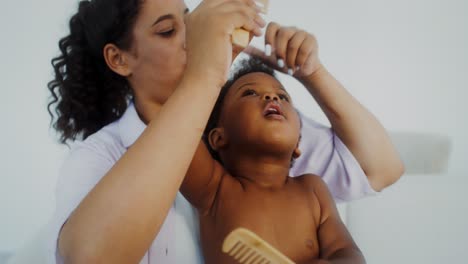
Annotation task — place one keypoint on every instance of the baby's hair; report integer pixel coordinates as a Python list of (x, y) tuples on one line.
[(246, 66)]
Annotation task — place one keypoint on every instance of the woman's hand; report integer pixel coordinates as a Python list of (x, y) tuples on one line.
[(208, 36), (289, 50)]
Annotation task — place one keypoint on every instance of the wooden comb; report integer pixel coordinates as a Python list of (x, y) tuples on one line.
[(246, 247), (241, 37)]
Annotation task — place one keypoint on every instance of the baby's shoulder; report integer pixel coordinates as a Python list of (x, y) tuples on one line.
[(311, 183), (308, 179)]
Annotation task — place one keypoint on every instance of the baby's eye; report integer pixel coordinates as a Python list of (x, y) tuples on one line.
[(283, 97), (249, 92)]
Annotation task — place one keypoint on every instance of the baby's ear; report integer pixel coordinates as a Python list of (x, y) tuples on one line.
[(296, 153), (217, 138)]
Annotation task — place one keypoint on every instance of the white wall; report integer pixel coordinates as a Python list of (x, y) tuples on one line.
[(405, 60), (397, 227), (29, 156)]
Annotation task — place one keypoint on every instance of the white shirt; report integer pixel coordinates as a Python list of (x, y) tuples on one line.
[(323, 154)]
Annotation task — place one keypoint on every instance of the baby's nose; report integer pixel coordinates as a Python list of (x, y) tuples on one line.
[(270, 96)]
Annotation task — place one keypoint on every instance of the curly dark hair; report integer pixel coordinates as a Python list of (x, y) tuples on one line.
[(245, 67), (86, 94)]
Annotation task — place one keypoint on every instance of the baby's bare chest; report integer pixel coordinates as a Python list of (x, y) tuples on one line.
[(287, 220)]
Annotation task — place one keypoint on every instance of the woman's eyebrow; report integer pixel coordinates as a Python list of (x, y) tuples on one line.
[(163, 17), (168, 16)]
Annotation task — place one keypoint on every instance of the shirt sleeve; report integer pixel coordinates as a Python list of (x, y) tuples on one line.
[(325, 155), (80, 172)]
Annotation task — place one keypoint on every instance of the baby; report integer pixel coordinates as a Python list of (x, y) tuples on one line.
[(253, 136)]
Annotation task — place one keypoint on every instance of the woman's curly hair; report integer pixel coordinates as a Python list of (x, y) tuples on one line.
[(86, 94)]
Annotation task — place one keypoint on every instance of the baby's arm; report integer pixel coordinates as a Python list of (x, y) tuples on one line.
[(335, 242), (203, 179)]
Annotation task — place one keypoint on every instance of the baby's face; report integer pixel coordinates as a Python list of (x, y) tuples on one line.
[(257, 109)]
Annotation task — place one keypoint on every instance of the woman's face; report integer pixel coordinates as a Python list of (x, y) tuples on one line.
[(157, 55)]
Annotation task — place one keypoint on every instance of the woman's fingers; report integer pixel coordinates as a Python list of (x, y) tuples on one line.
[(270, 39), (227, 15), (284, 45), (243, 14), (260, 54), (292, 48), (308, 47), (209, 29)]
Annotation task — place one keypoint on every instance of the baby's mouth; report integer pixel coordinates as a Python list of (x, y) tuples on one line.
[(273, 109)]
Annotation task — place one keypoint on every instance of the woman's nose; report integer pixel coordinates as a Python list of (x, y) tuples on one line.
[(270, 97)]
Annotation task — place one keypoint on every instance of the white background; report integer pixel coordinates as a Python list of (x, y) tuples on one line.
[(406, 61)]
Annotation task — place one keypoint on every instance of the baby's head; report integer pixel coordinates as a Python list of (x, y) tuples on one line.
[(255, 114)]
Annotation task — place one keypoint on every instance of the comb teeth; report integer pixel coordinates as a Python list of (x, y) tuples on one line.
[(244, 254), (246, 247)]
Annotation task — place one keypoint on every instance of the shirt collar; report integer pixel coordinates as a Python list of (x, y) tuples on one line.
[(130, 126)]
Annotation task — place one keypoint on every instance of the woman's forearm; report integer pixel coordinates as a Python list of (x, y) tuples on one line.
[(120, 217), (359, 130)]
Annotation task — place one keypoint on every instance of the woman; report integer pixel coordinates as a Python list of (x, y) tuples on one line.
[(137, 81)]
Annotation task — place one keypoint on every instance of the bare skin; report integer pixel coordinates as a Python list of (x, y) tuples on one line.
[(120, 217), (252, 188), (359, 130)]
